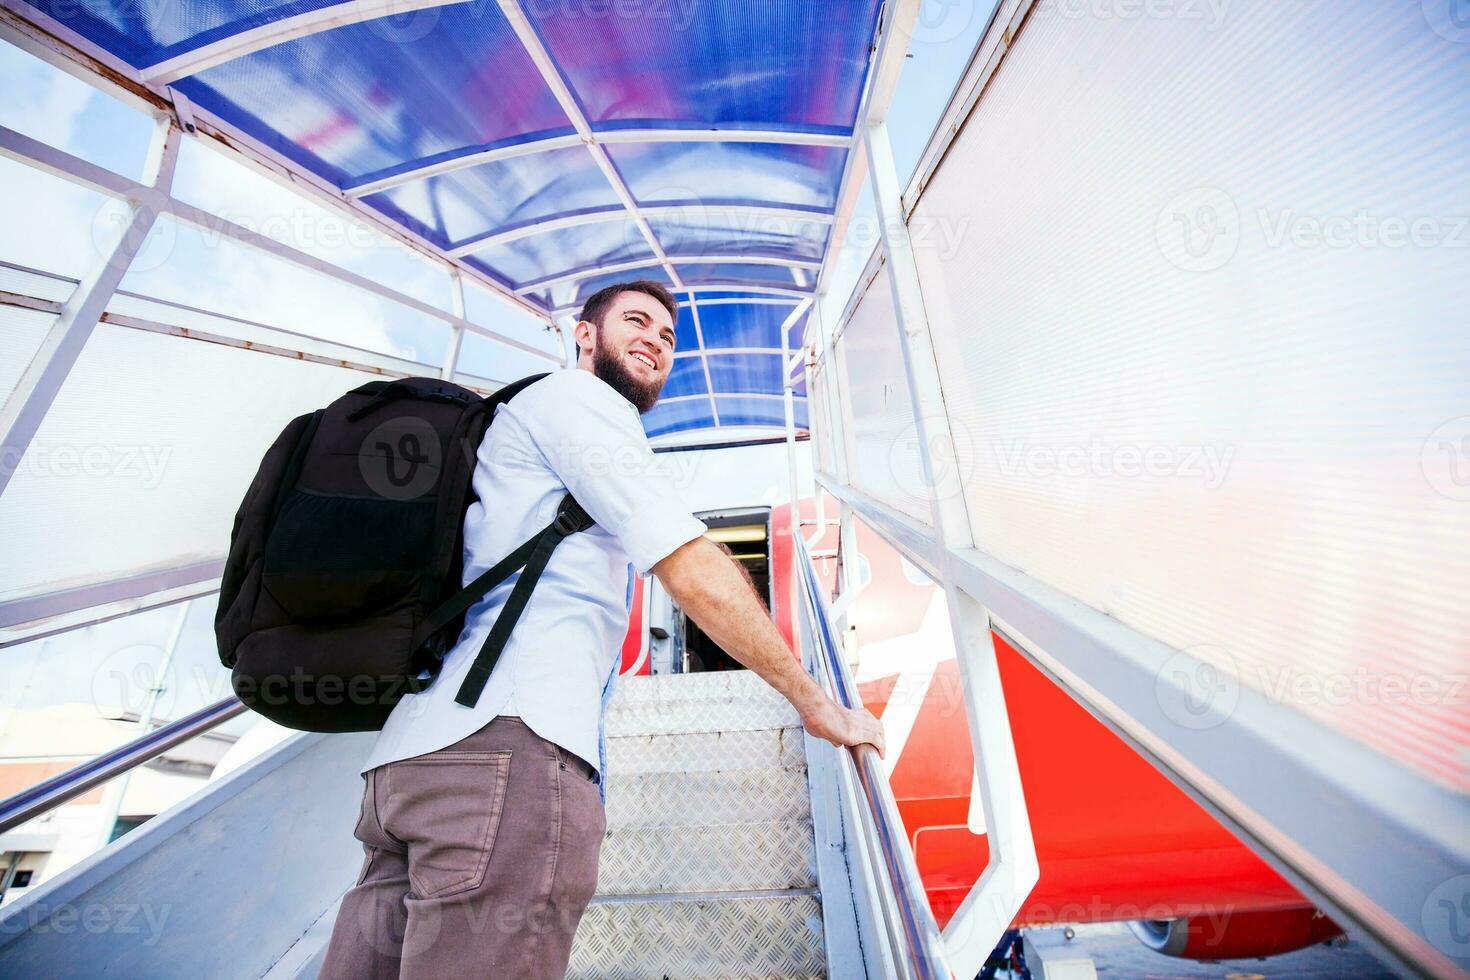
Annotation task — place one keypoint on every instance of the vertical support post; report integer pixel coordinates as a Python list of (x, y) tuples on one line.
[(456, 330), (112, 806), (43, 377), (846, 532), (1012, 870)]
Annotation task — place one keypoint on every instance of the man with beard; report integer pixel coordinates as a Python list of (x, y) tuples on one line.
[(482, 825)]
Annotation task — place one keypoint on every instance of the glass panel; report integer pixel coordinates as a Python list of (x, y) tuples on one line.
[(694, 233), (565, 250), (145, 456), (668, 417), (760, 373), (78, 223), (69, 697), (730, 173), (1241, 426), (576, 292), (788, 64), (686, 377), (755, 275), (883, 446), (742, 326), (756, 411), (470, 203), (220, 185), (198, 267), (361, 99), (21, 333), (143, 32), (487, 358), (47, 104)]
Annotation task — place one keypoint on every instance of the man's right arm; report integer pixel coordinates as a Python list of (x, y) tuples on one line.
[(710, 587)]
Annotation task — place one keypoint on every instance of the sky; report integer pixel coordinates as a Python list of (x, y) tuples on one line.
[(55, 226)]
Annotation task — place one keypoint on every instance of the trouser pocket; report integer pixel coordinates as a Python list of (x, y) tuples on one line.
[(446, 807)]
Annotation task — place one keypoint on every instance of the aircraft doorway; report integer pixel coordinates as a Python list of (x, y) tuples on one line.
[(746, 534)]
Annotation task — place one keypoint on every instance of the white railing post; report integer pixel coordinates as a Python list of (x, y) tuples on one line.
[(37, 388), (992, 904), (456, 330)]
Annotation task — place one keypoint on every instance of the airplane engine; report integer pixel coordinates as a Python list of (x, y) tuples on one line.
[(1226, 935)]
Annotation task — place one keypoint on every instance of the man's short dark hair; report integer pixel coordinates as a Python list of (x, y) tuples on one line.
[(596, 306)]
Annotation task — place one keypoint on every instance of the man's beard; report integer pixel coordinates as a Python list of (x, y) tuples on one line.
[(609, 366)]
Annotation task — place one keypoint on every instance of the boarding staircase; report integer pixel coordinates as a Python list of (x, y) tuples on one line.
[(737, 845), (708, 868)]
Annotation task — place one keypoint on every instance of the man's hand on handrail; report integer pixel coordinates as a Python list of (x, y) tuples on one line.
[(708, 585)]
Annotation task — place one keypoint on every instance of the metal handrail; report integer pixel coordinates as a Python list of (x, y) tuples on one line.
[(922, 939), (51, 793)]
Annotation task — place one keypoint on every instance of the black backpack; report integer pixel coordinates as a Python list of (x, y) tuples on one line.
[(342, 592)]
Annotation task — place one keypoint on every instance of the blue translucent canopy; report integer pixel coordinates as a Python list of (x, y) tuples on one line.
[(700, 144)]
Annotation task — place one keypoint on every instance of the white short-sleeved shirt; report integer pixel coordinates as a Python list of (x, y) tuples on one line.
[(568, 431)]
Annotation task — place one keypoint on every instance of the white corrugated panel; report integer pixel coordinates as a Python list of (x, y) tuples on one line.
[(145, 456), (1207, 336), (883, 440), (21, 333)]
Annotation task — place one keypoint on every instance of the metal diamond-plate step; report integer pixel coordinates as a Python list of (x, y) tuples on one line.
[(709, 714), (697, 798), (714, 857), (729, 937), (771, 748), (689, 687)]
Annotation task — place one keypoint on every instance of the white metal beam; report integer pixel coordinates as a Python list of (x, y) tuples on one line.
[(472, 158), (1012, 870), (753, 211), (412, 171), (59, 163), (47, 38), (279, 32), (21, 416), (541, 58), (662, 260), (709, 383)]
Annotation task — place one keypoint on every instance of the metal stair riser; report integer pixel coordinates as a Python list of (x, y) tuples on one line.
[(702, 715), (735, 937), (716, 857), (776, 748), (693, 687), (685, 799)]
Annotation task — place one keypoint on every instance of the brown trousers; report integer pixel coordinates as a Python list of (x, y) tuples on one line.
[(481, 858)]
